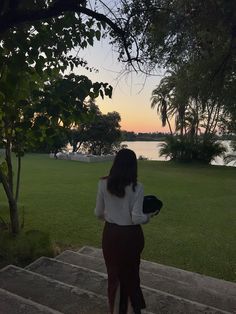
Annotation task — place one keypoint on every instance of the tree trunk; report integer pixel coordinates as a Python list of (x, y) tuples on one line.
[(168, 122), (74, 148), (78, 147), (15, 225), (14, 217), (7, 181), (209, 118), (9, 165), (18, 178)]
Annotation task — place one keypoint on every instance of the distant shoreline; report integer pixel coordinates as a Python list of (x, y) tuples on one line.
[(145, 140)]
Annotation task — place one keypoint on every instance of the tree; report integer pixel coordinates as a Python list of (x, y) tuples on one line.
[(104, 135), (56, 105), (196, 118), (162, 100), (56, 139), (199, 53), (100, 134), (79, 133), (176, 32), (200, 35), (34, 97), (128, 136), (76, 137), (15, 13), (79, 15)]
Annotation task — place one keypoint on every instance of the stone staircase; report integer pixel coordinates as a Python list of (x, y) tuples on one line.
[(76, 283)]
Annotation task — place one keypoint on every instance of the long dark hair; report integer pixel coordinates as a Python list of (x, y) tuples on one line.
[(123, 172)]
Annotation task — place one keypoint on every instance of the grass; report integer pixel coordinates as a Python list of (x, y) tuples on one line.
[(196, 229)]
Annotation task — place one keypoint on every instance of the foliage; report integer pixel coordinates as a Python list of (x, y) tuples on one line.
[(196, 41), (186, 149), (61, 108), (140, 136), (179, 32), (55, 141), (98, 135), (76, 22), (36, 99), (141, 157), (179, 96), (25, 248), (93, 132), (228, 120), (73, 13), (76, 137), (196, 117), (80, 134), (104, 134), (39, 113)]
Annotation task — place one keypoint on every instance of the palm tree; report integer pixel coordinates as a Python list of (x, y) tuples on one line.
[(178, 96), (171, 99), (162, 100)]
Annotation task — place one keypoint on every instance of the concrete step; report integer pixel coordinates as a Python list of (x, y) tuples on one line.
[(80, 277), (192, 286), (157, 301), (82, 260), (14, 304), (177, 274), (51, 293)]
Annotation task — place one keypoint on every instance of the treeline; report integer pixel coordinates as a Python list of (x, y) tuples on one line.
[(132, 136), (160, 136), (97, 134)]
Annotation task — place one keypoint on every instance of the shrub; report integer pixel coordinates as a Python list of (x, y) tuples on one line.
[(141, 157), (24, 248), (188, 149)]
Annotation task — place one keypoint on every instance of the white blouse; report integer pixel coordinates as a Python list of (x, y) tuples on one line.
[(127, 210)]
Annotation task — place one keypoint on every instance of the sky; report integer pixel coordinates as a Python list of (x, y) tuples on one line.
[(131, 92)]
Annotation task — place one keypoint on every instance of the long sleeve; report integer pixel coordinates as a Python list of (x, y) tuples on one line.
[(138, 217), (100, 205)]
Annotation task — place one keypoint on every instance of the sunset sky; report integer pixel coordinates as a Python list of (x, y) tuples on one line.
[(131, 92)]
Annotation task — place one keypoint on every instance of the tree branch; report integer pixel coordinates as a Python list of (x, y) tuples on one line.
[(14, 18), (18, 16)]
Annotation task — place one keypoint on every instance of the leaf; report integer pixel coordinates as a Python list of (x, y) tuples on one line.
[(90, 23), (101, 94), (108, 91), (71, 66), (99, 25), (2, 97), (98, 35), (84, 44), (104, 25), (90, 40), (4, 168)]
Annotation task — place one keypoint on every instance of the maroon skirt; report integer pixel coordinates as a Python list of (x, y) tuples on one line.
[(122, 246)]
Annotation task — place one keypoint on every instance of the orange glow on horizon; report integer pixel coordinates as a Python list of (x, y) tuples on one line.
[(135, 116), (143, 127), (132, 91)]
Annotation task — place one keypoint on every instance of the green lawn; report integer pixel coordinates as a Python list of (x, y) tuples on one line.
[(196, 229)]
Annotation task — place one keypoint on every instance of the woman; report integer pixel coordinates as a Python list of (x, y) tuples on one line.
[(119, 203)]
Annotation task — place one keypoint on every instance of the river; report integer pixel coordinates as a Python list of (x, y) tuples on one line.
[(151, 151)]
